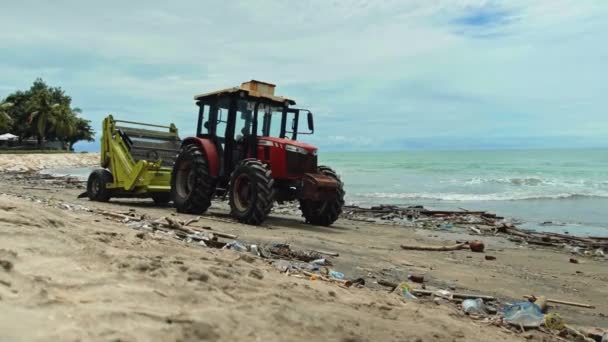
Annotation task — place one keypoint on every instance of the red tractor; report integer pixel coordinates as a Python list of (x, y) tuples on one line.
[(246, 145)]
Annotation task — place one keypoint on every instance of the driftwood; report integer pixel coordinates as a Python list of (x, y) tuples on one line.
[(429, 292), (220, 234), (173, 224), (192, 220), (435, 248), (334, 254), (557, 301)]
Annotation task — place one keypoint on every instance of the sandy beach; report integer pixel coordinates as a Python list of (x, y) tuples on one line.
[(37, 162), (74, 273)]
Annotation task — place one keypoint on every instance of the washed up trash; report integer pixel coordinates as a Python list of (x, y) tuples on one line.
[(477, 246), (574, 250), (554, 321), (320, 262), (336, 274), (236, 246), (474, 306), (253, 249), (444, 294), (282, 265), (416, 278), (599, 252), (446, 226), (525, 314), (358, 281), (406, 291)]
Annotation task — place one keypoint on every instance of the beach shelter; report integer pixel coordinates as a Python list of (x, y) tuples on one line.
[(8, 137)]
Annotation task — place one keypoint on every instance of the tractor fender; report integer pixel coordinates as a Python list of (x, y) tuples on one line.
[(210, 153)]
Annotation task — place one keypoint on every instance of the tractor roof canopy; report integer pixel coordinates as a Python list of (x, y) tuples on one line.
[(252, 89)]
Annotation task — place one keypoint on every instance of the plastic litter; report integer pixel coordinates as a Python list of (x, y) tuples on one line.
[(406, 291), (336, 274), (444, 294), (446, 226), (474, 306), (525, 314), (254, 250), (236, 246), (282, 265), (319, 262), (554, 321)]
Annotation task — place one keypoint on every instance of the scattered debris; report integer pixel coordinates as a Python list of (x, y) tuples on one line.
[(435, 248), (474, 306), (523, 314), (557, 301), (477, 246)]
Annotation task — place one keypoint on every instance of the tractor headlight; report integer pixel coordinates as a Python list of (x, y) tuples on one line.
[(297, 149)]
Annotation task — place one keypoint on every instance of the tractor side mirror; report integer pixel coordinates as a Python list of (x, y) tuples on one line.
[(311, 123)]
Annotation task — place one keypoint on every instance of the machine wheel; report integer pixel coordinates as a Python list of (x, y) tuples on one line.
[(96, 185), (324, 213), (191, 185), (251, 192), (161, 198)]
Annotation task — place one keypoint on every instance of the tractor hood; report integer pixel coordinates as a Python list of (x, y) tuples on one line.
[(286, 143)]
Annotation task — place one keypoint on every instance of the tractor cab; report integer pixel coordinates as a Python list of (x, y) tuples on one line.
[(249, 121), (246, 146)]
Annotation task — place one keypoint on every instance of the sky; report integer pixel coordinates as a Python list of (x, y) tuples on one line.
[(378, 75)]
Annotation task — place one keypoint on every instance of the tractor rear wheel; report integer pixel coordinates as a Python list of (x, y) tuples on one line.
[(161, 198), (192, 187), (324, 213), (251, 192), (97, 185)]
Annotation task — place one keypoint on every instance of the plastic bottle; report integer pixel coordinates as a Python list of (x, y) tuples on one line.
[(336, 274), (474, 306)]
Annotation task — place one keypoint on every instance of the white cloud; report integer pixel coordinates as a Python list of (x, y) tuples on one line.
[(380, 70)]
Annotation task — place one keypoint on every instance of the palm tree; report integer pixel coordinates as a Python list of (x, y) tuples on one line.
[(5, 118), (65, 123)]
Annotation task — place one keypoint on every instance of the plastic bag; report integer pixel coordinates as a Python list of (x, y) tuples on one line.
[(524, 314)]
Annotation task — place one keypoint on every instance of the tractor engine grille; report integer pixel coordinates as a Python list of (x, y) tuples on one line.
[(298, 163)]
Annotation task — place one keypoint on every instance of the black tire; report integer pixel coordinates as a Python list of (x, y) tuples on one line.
[(251, 192), (324, 213), (192, 187), (97, 185), (161, 198)]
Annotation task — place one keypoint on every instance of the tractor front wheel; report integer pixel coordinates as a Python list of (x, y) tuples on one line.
[(251, 192), (324, 213), (97, 185), (192, 187)]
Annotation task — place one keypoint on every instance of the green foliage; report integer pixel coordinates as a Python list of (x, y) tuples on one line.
[(44, 113), (5, 118)]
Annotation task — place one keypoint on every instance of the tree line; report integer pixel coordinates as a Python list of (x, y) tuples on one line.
[(44, 113)]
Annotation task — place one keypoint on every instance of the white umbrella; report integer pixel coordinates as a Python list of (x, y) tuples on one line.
[(8, 136)]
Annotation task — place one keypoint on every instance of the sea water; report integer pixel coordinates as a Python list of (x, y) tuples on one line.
[(550, 190)]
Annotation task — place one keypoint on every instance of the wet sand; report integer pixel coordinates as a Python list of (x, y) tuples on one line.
[(77, 275)]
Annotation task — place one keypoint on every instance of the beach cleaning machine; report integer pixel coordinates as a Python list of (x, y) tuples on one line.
[(135, 161)]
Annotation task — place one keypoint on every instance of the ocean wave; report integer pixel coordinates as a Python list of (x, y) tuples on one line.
[(532, 181), (480, 197)]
